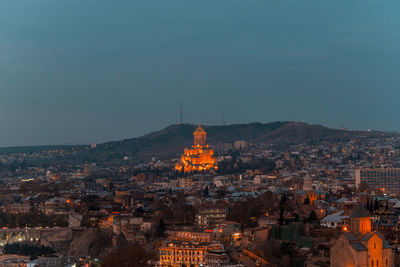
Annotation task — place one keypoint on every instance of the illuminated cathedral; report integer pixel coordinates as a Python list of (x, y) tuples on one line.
[(200, 157)]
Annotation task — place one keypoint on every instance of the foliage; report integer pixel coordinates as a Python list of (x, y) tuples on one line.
[(205, 191), (279, 253), (26, 249), (161, 227), (237, 166), (128, 256), (281, 218), (245, 212), (313, 217), (32, 219), (306, 201)]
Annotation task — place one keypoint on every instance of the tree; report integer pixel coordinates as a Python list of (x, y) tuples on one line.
[(313, 217), (27, 249), (128, 256), (161, 227), (376, 206), (220, 193), (370, 206), (205, 192), (277, 252), (284, 198), (281, 218)]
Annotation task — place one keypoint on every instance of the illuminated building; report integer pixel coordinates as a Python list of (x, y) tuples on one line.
[(189, 236), (386, 180), (308, 192), (200, 157), (176, 254), (124, 198), (211, 216), (359, 246), (133, 233), (182, 254), (228, 231), (307, 183), (216, 256)]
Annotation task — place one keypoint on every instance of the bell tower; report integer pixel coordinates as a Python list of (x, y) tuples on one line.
[(307, 183), (200, 137), (360, 220)]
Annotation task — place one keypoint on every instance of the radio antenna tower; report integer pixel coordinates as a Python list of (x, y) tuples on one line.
[(223, 117), (180, 112)]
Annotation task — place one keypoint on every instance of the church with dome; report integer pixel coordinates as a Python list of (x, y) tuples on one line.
[(359, 246), (308, 194), (200, 157)]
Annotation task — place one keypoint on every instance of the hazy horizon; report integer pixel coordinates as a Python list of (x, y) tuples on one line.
[(81, 72), (194, 124)]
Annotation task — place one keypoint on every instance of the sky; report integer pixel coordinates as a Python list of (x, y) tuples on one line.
[(89, 71)]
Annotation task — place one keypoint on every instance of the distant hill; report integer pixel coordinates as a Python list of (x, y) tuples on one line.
[(171, 141), (32, 149)]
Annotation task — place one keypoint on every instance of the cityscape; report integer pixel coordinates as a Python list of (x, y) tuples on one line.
[(213, 133), (320, 202)]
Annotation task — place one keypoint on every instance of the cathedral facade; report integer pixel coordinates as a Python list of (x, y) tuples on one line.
[(200, 157)]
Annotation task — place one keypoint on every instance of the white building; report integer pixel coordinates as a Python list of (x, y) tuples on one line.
[(334, 220)]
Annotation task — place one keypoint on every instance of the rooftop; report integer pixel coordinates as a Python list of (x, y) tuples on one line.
[(359, 212)]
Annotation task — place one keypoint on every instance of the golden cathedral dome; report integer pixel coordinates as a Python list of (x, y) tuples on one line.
[(199, 131), (200, 137)]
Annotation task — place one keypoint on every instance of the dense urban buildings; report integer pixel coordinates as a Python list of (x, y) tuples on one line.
[(89, 178), (265, 205), (386, 180)]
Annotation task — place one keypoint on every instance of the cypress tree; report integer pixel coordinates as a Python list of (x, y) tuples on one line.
[(205, 192), (281, 219), (284, 198)]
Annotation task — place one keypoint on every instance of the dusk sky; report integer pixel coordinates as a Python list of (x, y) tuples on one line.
[(85, 71)]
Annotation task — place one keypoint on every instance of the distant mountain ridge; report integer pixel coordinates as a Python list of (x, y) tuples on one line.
[(170, 141)]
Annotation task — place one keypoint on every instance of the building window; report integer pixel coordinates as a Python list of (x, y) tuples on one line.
[(372, 263), (374, 245)]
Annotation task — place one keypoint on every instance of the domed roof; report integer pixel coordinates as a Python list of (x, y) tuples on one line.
[(359, 212), (199, 131), (308, 177)]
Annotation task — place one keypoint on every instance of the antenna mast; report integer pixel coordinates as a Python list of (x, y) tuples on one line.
[(180, 112)]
